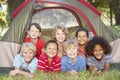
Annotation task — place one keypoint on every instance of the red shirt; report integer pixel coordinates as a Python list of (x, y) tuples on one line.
[(43, 64), (81, 53), (39, 45)]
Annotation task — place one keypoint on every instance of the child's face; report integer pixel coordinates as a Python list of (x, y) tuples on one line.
[(28, 55), (82, 38), (34, 32), (60, 35), (51, 50), (98, 51), (71, 51)]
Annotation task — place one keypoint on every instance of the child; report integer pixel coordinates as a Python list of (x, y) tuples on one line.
[(34, 32), (49, 61), (72, 63), (60, 34), (82, 36), (98, 48), (25, 63)]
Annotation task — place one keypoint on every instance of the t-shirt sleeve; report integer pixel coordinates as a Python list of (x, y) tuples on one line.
[(17, 61), (108, 59), (63, 63), (83, 63), (41, 62), (57, 66), (90, 61), (33, 65)]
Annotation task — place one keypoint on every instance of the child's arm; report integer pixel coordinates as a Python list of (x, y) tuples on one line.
[(30, 75), (107, 66), (18, 71), (94, 71), (73, 72)]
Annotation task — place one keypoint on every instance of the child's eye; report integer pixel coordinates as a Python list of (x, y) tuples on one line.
[(25, 52)]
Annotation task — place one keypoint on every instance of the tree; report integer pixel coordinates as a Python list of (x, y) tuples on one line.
[(115, 6), (13, 5), (112, 5)]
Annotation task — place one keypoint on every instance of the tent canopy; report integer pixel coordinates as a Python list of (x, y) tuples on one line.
[(48, 13)]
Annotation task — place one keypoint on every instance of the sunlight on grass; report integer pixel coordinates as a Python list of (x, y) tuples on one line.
[(111, 75)]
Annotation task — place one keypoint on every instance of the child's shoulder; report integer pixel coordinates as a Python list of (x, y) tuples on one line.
[(57, 58), (26, 39), (34, 59), (40, 40), (43, 55), (65, 57), (18, 56), (81, 57)]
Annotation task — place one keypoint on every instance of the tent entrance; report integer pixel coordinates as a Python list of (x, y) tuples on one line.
[(48, 18)]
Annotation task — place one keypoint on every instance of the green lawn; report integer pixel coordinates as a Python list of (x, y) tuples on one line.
[(113, 74)]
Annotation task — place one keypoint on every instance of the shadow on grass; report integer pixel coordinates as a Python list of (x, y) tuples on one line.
[(115, 66)]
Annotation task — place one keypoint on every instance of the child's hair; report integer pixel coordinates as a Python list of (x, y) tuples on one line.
[(82, 29), (36, 25), (69, 42), (28, 46), (98, 40), (51, 41), (63, 28)]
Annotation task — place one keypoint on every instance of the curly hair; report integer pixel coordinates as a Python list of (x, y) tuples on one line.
[(98, 40)]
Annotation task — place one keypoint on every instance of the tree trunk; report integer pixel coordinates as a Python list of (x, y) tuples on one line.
[(116, 9), (111, 17), (13, 4)]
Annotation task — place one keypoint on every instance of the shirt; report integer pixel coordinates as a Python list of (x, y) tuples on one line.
[(54, 66), (19, 62), (79, 65), (39, 45), (99, 65)]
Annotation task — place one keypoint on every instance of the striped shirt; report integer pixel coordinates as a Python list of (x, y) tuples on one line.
[(54, 66), (99, 65)]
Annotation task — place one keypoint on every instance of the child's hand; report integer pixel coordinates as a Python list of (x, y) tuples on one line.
[(96, 73), (73, 72), (13, 72)]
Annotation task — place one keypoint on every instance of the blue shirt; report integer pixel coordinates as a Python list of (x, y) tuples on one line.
[(78, 66), (99, 65), (19, 62)]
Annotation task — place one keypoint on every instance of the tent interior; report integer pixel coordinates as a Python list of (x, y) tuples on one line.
[(48, 14)]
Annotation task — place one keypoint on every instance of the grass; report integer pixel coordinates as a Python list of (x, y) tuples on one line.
[(113, 74)]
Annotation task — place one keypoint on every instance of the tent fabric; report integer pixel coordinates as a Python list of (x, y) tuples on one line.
[(116, 50), (24, 16), (6, 48)]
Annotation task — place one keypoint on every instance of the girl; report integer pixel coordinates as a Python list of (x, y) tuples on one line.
[(34, 32), (98, 60), (72, 63), (82, 37), (49, 61), (60, 34), (25, 63)]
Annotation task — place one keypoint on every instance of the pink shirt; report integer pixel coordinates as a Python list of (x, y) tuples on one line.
[(43, 64)]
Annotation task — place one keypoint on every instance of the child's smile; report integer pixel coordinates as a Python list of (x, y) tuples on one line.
[(98, 51)]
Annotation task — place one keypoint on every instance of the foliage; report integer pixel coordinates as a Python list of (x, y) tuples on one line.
[(111, 7), (116, 29), (3, 16)]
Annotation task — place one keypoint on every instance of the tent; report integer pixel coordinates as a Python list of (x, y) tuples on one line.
[(48, 13)]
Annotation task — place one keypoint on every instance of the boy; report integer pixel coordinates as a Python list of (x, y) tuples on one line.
[(49, 61), (25, 63), (72, 63)]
